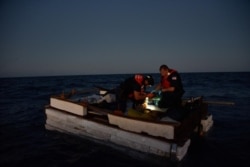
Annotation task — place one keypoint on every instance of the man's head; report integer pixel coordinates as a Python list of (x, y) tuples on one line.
[(149, 80), (164, 70)]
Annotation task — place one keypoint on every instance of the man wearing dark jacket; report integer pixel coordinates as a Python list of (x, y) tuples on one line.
[(171, 88), (133, 88)]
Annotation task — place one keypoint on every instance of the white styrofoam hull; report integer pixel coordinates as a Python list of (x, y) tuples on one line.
[(151, 128), (73, 124), (207, 123), (68, 106)]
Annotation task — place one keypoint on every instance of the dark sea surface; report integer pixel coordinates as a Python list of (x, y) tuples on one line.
[(24, 141)]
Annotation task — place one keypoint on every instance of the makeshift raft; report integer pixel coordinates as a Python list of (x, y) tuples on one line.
[(161, 137)]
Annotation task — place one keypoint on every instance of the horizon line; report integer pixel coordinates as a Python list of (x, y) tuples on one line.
[(68, 75)]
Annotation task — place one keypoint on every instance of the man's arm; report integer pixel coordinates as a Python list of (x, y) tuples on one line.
[(139, 95), (170, 89), (158, 87)]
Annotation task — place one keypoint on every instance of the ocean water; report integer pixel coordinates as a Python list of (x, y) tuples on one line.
[(24, 141)]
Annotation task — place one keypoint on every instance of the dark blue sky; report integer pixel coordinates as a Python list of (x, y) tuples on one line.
[(71, 37)]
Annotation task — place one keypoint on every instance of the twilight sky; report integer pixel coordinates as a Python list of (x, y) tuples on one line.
[(74, 37)]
